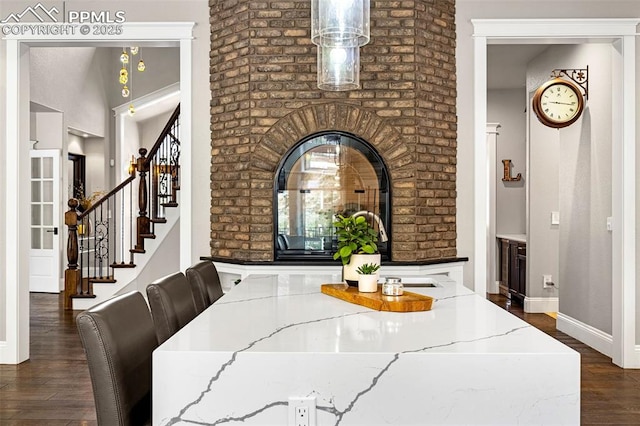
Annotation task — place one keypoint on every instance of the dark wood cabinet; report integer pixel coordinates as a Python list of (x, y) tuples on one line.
[(513, 269), (504, 267)]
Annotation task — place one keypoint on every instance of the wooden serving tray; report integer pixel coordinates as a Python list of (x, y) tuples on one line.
[(408, 302)]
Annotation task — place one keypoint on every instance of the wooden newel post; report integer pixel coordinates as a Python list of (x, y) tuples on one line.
[(72, 276), (143, 227)]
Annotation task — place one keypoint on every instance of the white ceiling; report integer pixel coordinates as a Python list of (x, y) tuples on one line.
[(507, 64)]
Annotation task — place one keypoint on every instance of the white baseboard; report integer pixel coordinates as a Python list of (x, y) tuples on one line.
[(540, 305), (597, 339), (494, 287), (635, 361)]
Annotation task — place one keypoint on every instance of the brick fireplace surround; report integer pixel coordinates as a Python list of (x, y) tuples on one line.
[(265, 100)]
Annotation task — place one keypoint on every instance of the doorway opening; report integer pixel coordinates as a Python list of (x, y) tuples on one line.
[(620, 35), (15, 333), (77, 175)]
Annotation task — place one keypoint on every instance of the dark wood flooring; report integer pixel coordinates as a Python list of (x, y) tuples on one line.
[(54, 388), (609, 395)]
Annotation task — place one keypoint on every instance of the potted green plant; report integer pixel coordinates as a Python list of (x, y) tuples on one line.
[(368, 278), (356, 245)]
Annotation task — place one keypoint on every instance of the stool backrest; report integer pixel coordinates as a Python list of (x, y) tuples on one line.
[(172, 304), (205, 284), (118, 337)]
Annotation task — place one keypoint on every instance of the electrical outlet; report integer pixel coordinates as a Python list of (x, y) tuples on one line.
[(301, 416), (302, 411), (547, 281)]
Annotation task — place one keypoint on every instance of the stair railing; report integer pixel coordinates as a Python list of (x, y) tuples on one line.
[(102, 237), (159, 170)]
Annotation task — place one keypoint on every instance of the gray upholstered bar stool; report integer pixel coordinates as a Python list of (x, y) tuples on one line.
[(205, 284), (118, 338), (172, 304)]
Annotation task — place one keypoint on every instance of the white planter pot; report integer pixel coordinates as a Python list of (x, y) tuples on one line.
[(349, 271), (367, 283)]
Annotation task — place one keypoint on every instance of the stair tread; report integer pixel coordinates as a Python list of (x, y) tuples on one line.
[(151, 236), (123, 265), (169, 204), (159, 220), (134, 250), (102, 280), (83, 296)]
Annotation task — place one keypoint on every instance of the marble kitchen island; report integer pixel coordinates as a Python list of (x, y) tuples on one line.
[(466, 361)]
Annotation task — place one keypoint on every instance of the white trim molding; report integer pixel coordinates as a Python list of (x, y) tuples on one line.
[(546, 29), (591, 336), (624, 306), (16, 273), (493, 285), (148, 99), (620, 33), (541, 305)]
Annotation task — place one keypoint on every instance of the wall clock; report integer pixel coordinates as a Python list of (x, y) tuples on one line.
[(558, 103)]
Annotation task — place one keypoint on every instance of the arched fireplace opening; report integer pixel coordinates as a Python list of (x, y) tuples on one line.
[(326, 174)]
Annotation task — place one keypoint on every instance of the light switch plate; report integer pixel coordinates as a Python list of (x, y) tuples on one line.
[(555, 218)]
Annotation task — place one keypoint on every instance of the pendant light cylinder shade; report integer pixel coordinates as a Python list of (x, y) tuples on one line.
[(338, 68), (340, 23)]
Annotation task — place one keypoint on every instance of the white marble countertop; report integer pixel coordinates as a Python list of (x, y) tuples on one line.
[(274, 337), (289, 314), (521, 238)]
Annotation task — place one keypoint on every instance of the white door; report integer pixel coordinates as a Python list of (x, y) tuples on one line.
[(44, 256)]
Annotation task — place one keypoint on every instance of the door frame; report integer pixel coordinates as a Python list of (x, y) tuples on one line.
[(621, 34), (15, 347)]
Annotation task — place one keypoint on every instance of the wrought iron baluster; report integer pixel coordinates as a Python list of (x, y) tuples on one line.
[(111, 221)]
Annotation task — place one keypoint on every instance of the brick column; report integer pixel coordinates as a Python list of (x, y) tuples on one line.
[(265, 100)]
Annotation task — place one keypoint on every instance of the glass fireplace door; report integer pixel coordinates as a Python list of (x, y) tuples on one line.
[(322, 177)]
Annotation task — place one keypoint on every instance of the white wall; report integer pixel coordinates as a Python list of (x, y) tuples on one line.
[(75, 144), (507, 107), (97, 166), (163, 262), (130, 144), (50, 130), (70, 79), (150, 129), (579, 158), (543, 243)]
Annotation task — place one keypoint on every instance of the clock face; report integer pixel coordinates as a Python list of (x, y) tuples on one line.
[(558, 103)]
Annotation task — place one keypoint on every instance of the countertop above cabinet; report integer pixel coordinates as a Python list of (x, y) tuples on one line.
[(520, 238)]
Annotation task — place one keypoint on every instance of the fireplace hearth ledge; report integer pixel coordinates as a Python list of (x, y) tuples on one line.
[(232, 270)]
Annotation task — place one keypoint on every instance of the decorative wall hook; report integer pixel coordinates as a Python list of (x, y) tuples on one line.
[(580, 76), (507, 173)]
